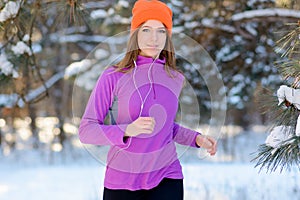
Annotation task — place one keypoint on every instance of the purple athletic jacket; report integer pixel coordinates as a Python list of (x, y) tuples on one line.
[(137, 162)]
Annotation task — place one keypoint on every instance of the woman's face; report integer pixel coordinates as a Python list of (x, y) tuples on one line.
[(151, 38)]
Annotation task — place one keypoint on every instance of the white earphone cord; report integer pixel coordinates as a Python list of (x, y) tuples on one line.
[(141, 98), (136, 87)]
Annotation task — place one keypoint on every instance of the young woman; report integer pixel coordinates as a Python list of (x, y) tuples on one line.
[(141, 94)]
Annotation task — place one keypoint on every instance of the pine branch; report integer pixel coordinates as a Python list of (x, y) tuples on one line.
[(69, 12), (285, 154), (285, 157), (289, 67), (278, 114), (289, 48), (289, 43)]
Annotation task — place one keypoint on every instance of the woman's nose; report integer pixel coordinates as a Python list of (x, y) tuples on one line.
[(154, 35)]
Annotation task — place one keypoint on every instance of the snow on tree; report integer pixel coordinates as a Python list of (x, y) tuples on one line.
[(10, 10), (7, 67)]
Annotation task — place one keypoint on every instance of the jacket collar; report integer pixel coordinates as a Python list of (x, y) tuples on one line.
[(141, 60)]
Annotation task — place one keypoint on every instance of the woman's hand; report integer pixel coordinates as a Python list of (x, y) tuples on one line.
[(139, 126), (208, 143)]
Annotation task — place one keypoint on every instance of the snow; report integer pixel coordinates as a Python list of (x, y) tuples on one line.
[(261, 50), (252, 30), (235, 181), (123, 3), (77, 67), (222, 181), (8, 100), (101, 54), (177, 3), (237, 38), (249, 61), (21, 48), (98, 14), (120, 19), (225, 54), (191, 25), (111, 11), (26, 38), (290, 94), (231, 56), (10, 10), (7, 67), (50, 182), (278, 135), (37, 48), (95, 4)]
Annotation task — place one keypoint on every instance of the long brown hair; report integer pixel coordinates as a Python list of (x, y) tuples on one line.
[(126, 64)]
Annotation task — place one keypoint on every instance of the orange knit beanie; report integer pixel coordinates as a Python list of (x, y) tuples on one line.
[(144, 10)]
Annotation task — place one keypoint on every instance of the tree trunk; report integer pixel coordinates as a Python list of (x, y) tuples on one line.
[(33, 127), (59, 95), (10, 121)]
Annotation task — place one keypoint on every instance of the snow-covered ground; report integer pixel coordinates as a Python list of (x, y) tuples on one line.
[(211, 181), (76, 175)]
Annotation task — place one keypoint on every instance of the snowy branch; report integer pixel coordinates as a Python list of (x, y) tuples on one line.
[(95, 4), (264, 13), (33, 94), (209, 23), (85, 38), (10, 100), (271, 14)]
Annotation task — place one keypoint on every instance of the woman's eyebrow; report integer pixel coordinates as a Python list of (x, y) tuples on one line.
[(161, 27)]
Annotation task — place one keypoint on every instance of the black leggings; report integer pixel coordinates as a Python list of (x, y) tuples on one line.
[(166, 190)]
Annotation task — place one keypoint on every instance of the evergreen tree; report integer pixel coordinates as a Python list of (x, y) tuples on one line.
[(282, 146)]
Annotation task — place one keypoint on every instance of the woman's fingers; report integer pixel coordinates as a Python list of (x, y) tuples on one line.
[(146, 124), (139, 126), (213, 149), (207, 142), (147, 120), (204, 142)]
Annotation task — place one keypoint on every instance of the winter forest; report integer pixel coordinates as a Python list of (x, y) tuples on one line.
[(53, 51)]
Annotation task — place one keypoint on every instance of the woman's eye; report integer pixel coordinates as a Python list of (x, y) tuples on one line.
[(162, 31), (146, 30)]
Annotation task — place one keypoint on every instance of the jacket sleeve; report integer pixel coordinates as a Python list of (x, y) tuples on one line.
[(184, 136), (92, 129)]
